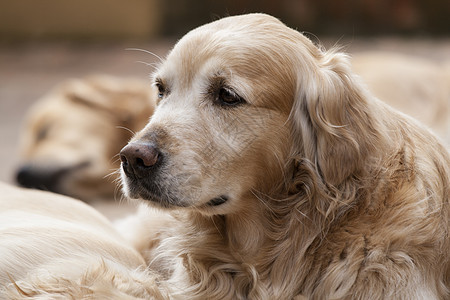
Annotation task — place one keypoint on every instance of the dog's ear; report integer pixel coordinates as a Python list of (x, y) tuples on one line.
[(332, 118)]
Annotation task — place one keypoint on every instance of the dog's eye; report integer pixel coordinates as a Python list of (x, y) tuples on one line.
[(228, 97), (161, 90), (42, 133)]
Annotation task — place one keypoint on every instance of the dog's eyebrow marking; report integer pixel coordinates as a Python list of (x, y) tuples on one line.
[(158, 80), (217, 79)]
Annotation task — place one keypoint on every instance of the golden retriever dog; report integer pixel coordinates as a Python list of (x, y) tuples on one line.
[(55, 247), (72, 135), (281, 176), (416, 86)]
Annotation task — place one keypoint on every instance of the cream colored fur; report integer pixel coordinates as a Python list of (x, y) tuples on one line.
[(55, 247), (331, 193)]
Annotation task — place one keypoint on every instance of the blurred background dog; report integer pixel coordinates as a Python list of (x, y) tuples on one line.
[(72, 135)]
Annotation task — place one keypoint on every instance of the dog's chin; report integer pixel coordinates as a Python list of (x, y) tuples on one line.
[(215, 206), (169, 198)]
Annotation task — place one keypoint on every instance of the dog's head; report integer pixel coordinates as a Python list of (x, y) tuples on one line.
[(239, 100), (72, 134)]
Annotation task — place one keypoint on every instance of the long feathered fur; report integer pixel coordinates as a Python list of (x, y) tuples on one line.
[(360, 207)]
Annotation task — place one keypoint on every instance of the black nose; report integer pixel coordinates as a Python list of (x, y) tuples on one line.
[(39, 178), (139, 159)]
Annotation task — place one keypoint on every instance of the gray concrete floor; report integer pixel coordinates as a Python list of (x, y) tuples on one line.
[(27, 71)]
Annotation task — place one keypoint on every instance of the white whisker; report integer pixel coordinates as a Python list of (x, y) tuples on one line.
[(127, 129), (145, 51)]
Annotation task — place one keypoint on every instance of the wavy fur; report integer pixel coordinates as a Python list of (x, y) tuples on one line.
[(333, 194)]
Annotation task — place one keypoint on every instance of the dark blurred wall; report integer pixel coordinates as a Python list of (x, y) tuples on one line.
[(144, 19), (79, 19), (355, 17)]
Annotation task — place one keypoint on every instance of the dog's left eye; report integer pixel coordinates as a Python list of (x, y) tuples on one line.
[(228, 97), (161, 90), (42, 133)]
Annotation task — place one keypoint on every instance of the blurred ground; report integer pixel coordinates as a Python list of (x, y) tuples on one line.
[(27, 71)]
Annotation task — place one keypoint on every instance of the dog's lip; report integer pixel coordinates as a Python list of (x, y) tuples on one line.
[(152, 193), (218, 200)]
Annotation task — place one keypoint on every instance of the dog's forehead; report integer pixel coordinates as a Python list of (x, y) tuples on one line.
[(249, 46), (227, 35), (260, 58)]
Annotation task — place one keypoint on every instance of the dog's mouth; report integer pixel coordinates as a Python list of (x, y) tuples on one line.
[(218, 201), (164, 197)]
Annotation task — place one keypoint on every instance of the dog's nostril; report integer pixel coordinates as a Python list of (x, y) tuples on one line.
[(148, 158), (140, 162), (123, 158)]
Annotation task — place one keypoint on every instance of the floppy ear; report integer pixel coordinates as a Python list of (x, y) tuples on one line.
[(332, 117)]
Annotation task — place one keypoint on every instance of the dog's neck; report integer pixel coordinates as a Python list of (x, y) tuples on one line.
[(241, 234), (244, 232), (264, 246), (253, 246)]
